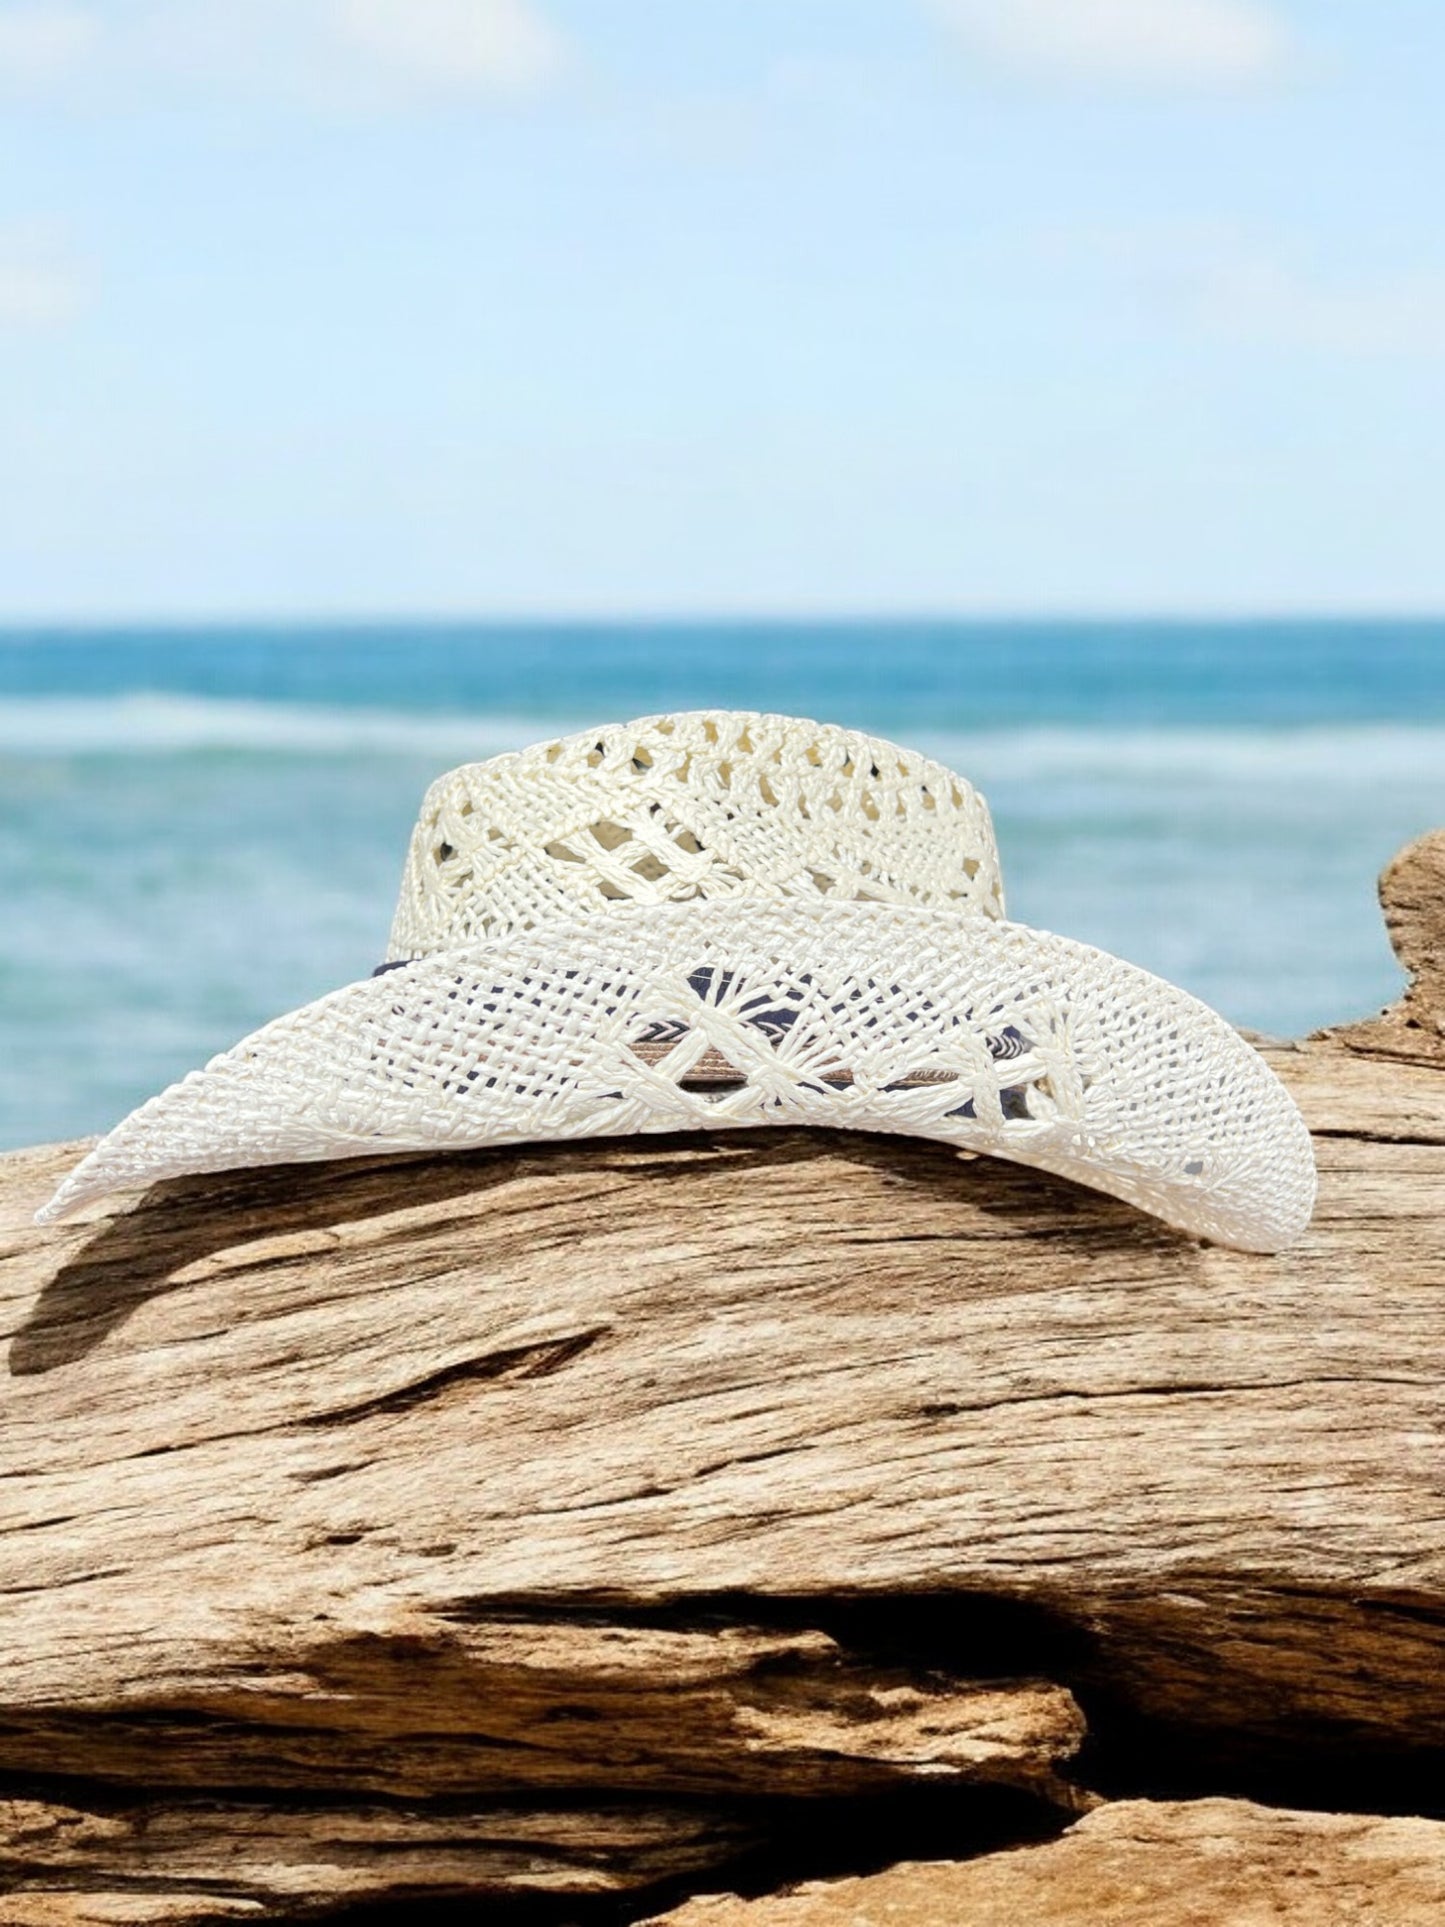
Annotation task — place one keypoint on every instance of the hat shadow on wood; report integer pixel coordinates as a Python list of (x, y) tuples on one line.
[(141, 1253), (136, 1255)]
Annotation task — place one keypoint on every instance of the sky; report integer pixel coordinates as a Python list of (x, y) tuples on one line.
[(468, 307)]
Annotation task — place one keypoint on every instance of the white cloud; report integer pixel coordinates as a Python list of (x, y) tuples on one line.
[(41, 40), (1148, 42), (41, 286), (1225, 282), (501, 46), (348, 54), (1254, 297)]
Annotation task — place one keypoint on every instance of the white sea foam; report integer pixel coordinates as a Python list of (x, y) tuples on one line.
[(1351, 756), (162, 724), (1340, 755)]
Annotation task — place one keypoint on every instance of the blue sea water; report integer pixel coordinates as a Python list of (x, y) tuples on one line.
[(202, 828)]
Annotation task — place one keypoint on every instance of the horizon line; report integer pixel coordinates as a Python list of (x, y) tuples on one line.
[(12, 625)]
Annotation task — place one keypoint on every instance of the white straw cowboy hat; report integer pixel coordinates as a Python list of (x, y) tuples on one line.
[(721, 919)]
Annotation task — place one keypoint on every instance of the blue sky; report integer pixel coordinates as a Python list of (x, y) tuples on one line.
[(468, 306)]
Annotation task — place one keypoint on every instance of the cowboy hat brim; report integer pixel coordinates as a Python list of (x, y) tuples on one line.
[(936, 1023)]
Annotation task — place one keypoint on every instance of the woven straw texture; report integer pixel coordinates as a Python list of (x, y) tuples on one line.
[(1039, 1049), (676, 808), (798, 1003)]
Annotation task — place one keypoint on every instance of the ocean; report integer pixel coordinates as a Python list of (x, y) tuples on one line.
[(202, 828)]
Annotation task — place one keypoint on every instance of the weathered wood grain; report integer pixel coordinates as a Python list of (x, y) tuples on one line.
[(574, 1468), (1201, 1863), (204, 1858), (124, 1907), (250, 1420), (433, 1708), (1412, 896)]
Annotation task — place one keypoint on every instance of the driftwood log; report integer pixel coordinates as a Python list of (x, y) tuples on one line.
[(583, 1520), (1196, 1863)]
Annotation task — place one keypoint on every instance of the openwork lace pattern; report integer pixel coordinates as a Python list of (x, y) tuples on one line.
[(724, 920), (674, 809), (672, 1017)]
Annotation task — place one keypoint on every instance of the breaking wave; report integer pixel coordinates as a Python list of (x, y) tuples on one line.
[(1340, 756)]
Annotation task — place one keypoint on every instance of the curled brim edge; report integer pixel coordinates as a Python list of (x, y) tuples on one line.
[(942, 1024)]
